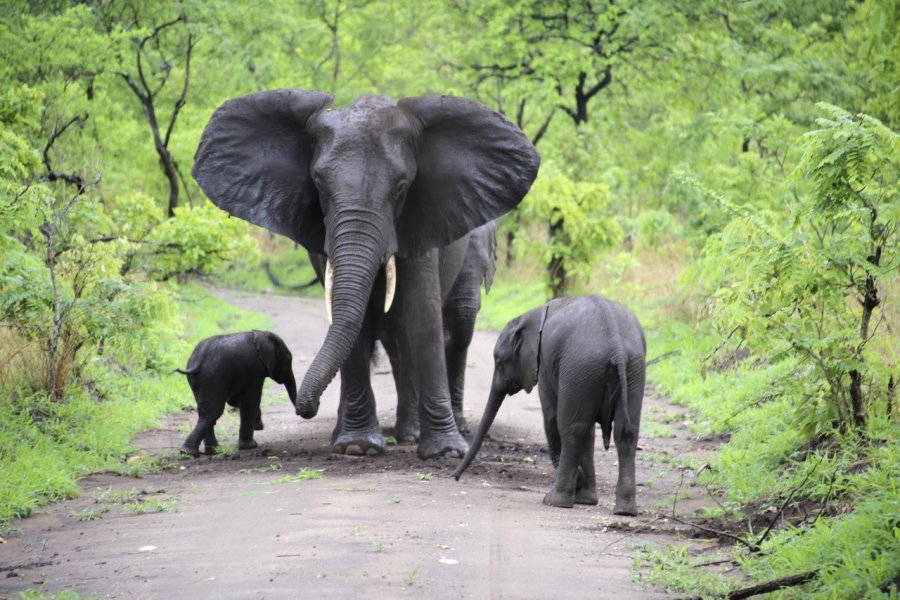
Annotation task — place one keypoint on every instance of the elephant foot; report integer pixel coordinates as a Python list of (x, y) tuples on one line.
[(210, 449), (461, 422), (585, 496), (558, 499), (357, 443), (247, 444), (190, 450), (585, 493), (446, 444), (406, 431), (625, 508)]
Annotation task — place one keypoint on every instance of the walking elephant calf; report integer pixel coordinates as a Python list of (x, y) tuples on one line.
[(232, 368), (587, 356)]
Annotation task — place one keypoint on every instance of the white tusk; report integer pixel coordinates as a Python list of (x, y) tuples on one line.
[(390, 283), (329, 281)]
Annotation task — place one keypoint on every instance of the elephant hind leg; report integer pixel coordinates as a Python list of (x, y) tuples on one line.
[(586, 480), (250, 416), (208, 412), (460, 311), (210, 442), (626, 439), (575, 480)]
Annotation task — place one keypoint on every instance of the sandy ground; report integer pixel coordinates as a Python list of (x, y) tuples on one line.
[(246, 526)]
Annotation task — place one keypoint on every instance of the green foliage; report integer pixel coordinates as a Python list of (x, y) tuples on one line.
[(197, 240), (509, 299), (781, 331), (788, 282), (579, 205), (674, 570)]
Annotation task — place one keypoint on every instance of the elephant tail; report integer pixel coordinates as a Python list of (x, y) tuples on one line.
[(189, 371), (623, 402)]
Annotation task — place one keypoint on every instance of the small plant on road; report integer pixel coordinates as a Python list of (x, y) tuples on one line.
[(145, 506), (423, 476), (410, 578), (266, 469), (303, 474)]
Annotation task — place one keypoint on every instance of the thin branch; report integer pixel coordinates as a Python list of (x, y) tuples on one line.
[(773, 585), (721, 534), (790, 497), (543, 128), (179, 104)]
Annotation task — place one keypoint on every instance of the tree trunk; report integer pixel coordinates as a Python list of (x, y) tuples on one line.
[(559, 277)]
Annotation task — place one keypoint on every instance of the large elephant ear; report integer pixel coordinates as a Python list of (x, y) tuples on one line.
[(473, 166), (254, 162)]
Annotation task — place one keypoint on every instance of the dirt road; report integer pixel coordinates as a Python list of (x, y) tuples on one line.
[(289, 520)]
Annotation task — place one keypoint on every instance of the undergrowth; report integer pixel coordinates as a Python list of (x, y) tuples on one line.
[(834, 498), (45, 446)]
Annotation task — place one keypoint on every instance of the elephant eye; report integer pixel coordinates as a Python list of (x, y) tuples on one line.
[(401, 186)]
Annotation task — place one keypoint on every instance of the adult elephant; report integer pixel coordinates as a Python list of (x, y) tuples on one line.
[(380, 188), (463, 267)]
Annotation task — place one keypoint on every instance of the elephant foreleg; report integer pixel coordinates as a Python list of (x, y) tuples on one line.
[(406, 427), (417, 316), (357, 431), (551, 428)]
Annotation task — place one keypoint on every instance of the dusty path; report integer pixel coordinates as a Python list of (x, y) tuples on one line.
[(383, 527)]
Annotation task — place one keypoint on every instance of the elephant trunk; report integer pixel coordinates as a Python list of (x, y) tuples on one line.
[(355, 269), (290, 384), (487, 419)]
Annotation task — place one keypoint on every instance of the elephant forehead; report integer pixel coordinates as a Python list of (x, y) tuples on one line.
[(357, 122)]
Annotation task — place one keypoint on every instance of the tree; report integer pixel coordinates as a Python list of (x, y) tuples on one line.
[(804, 281), (536, 58), (158, 44)]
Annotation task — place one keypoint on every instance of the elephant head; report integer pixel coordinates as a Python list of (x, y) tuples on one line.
[(277, 358), (361, 184), (516, 355)]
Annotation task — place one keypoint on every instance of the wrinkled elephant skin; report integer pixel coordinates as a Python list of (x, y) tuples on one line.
[(382, 189)]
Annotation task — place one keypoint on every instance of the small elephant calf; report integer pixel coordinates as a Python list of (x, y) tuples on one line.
[(232, 368), (587, 356)]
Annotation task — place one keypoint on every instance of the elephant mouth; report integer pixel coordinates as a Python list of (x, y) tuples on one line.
[(390, 275)]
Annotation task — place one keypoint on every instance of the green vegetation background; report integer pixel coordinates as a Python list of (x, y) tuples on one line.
[(727, 169)]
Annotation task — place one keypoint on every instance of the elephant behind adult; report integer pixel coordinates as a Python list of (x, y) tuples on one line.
[(379, 187), (465, 266)]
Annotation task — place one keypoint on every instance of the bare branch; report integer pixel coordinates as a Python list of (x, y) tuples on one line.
[(543, 128), (179, 104)]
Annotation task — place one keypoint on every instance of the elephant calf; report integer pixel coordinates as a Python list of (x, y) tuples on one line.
[(587, 356), (232, 368)]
